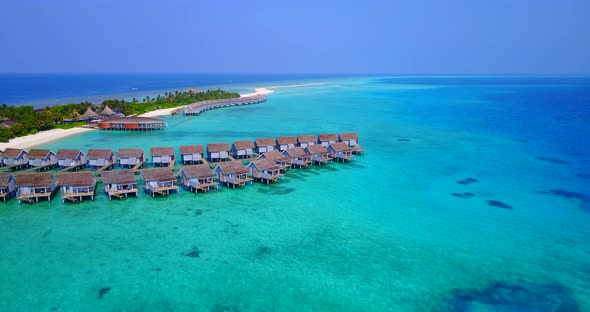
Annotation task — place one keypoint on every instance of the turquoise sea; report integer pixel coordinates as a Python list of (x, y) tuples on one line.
[(474, 195)]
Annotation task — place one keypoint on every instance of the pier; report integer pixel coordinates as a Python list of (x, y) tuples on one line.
[(198, 107), (120, 172)]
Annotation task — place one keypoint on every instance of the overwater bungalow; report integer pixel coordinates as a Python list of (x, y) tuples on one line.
[(192, 154), (305, 140), (242, 149), (298, 158), (264, 145), (71, 158), (198, 178), (7, 185), (162, 156), (98, 158), (119, 183), (340, 151), (264, 170), (76, 186), (232, 173), (280, 159), (131, 157), (218, 152), (284, 143), (42, 158), (1, 159), (34, 186), (160, 181), (352, 140), (319, 154), (15, 157), (326, 139)]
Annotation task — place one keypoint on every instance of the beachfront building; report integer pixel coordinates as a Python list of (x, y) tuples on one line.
[(198, 178), (160, 181), (326, 139), (218, 152), (98, 158), (340, 151), (15, 157), (319, 155), (119, 183), (305, 140), (132, 124), (232, 173), (107, 112), (191, 154), (162, 156), (75, 186), (264, 170), (34, 186), (42, 158), (89, 115), (280, 159), (264, 145), (70, 158), (242, 149), (284, 143), (7, 185), (131, 157), (298, 158)]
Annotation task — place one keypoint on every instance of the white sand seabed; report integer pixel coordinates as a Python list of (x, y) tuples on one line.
[(42, 137)]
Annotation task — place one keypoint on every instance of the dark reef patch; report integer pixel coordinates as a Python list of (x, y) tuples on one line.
[(103, 291), (503, 296), (198, 212), (262, 251), (224, 308), (463, 195), (194, 253), (276, 190), (568, 194), (553, 160), (403, 140), (499, 204), (467, 181)]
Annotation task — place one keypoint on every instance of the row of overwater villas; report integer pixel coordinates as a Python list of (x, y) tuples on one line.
[(77, 186), (190, 154)]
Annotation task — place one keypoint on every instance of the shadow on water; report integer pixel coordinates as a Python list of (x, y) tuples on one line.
[(553, 160), (512, 297), (276, 190)]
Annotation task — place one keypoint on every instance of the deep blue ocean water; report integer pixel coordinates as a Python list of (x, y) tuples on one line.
[(474, 195)]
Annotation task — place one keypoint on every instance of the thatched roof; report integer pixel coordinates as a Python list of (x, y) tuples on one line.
[(287, 140), (107, 111), (118, 177), (341, 147), (161, 151), (235, 166), (349, 136), (4, 178), (12, 152), (275, 155), (316, 149), (198, 171), (243, 145), (100, 153), (68, 153), (159, 174), (305, 138), (34, 179), (264, 164), (191, 149), (295, 152), (39, 153), (130, 152), (265, 142), (89, 114), (81, 178), (328, 137), (217, 147)]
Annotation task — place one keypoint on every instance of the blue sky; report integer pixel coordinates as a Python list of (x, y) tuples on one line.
[(402, 37)]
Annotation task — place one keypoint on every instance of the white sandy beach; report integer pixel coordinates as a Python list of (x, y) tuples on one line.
[(41, 137)]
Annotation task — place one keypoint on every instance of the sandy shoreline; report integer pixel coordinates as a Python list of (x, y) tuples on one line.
[(42, 137), (56, 134)]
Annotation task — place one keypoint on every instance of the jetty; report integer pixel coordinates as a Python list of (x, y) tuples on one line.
[(199, 107)]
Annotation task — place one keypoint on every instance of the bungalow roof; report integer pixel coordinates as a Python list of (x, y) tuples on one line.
[(118, 177), (34, 179), (198, 171), (81, 178)]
